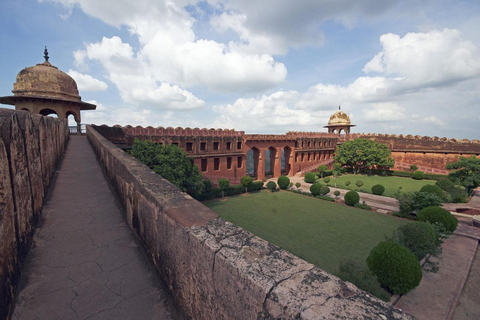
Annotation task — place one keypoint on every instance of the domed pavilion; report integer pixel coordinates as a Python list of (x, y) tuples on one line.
[(43, 89), (338, 122)]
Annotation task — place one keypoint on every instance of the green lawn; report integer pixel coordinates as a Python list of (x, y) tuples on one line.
[(318, 231), (391, 184)]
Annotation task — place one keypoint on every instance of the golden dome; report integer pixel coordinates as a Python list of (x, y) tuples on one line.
[(339, 118), (46, 81)]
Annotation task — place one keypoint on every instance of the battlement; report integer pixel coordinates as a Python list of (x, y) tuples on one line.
[(412, 137), (303, 134), (179, 131)]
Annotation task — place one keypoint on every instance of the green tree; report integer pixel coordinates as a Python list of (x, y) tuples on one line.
[(171, 163), (246, 181), (363, 154), (298, 185), (322, 168), (413, 168), (223, 184), (466, 172)]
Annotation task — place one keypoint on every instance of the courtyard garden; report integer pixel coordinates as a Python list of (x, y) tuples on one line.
[(392, 184), (320, 232)]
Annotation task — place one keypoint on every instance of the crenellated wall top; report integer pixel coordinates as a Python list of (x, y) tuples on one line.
[(302, 134), (179, 131), (412, 137)]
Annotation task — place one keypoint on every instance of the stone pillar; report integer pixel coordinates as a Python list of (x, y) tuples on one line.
[(261, 164), (277, 169)]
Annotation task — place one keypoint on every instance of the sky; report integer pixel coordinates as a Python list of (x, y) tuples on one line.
[(269, 66)]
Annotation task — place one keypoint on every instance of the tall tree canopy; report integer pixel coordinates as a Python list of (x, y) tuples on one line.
[(362, 154), (466, 172), (171, 163)]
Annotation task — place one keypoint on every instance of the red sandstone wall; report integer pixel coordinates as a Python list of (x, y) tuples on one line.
[(216, 270), (30, 147), (430, 154)]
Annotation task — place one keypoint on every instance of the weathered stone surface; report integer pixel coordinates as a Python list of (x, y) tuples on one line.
[(22, 187), (216, 270)]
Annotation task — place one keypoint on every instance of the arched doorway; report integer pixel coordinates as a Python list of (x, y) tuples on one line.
[(270, 156), (286, 162), (253, 157), (73, 122), (49, 112)]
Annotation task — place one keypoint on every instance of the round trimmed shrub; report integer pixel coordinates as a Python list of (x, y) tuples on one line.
[(315, 189), (395, 267), (359, 183), (439, 215), (326, 180), (336, 193), (347, 183), (378, 189), (445, 184), (419, 237), (352, 198), (418, 175), (431, 188), (310, 177), (283, 182), (272, 186), (324, 190)]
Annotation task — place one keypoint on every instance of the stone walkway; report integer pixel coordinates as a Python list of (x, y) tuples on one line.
[(85, 262)]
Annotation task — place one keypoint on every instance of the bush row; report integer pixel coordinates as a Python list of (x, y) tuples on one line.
[(213, 193)]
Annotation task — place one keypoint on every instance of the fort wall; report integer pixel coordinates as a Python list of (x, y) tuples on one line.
[(430, 154), (30, 147), (216, 270)]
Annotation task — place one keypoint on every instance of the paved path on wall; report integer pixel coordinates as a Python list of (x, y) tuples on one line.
[(85, 262)]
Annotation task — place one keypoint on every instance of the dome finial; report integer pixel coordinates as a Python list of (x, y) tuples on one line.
[(45, 54)]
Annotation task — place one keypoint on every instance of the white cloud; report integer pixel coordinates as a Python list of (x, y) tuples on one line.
[(434, 120), (434, 58), (384, 112), (86, 82), (270, 113), (274, 26)]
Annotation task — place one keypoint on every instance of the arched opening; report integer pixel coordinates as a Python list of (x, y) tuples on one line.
[(73, 122), (270, 155), (252, 162), (48, 112), (286, 165), (25, 109)]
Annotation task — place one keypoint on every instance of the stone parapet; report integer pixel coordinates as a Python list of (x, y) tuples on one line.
[(30, 147), (216, 270)]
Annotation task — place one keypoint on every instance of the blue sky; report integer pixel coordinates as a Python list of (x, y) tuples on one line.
[(269, 66)]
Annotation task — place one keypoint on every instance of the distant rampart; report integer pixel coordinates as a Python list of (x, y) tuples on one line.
[(428, 153), (30, 147), (216, 270)]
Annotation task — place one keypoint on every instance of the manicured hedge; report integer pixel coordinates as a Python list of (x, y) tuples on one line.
[(352, 198), (378, 189), (324, 190), (395, 266), (283, 182), (315, 189), (418, 175), (431, 188), (271, 185), (439, 215), (255, 186), (229, 191), (310, 177)]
